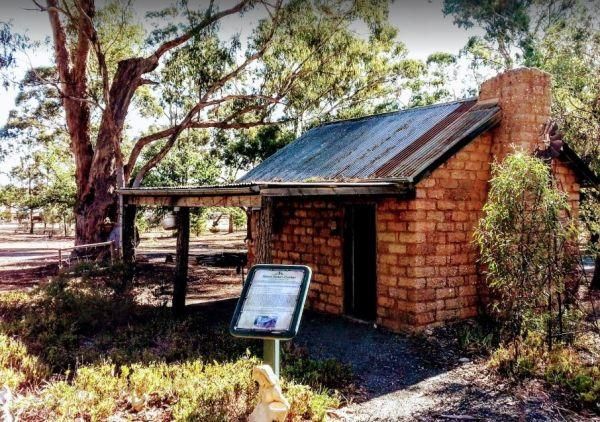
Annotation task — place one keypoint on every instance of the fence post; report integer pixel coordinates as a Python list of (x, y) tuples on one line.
[(112, 252), (59, 259)]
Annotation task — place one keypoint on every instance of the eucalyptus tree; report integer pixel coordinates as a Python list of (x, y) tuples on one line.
[(245, 149), (511, 28), (294, 58), (570, 51), (11, 43)]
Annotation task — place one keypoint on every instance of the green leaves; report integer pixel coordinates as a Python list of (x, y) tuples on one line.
[(10, 43), (189, 163), (528, 242)]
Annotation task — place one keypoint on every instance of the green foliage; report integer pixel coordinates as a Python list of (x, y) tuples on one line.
[(18, 369), (512, 28), (315, 67), (244, 150), (191, 391), (111, 357), (10, 44), (479, 338), (318, 374), (306, 404), (528, 247), (570, 51), (439, 72), (44, 178), (188, 163)]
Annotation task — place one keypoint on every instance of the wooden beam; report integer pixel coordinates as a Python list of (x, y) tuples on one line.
[(195, 201), (265, 230), (128, 243), (181, 261)]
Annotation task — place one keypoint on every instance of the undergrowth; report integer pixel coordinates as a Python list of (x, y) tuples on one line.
[(77, 349), (562, 366)]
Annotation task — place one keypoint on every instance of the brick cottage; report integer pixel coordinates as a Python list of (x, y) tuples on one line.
[(382, 208)]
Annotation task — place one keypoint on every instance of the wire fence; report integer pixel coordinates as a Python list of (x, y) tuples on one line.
[(93, 252)]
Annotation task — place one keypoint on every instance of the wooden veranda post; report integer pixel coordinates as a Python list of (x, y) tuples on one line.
[(265, 230), (128, 243), (181, 262)]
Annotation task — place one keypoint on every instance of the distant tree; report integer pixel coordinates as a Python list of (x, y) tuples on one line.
[(10, 43), (188, 163), (301, 58), (34, 132), (245, 149), (434, 85), (512, 27)]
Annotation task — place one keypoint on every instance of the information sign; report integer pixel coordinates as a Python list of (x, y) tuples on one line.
[(271, 303)]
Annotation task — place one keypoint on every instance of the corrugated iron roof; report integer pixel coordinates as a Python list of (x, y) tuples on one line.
[(401, 145)]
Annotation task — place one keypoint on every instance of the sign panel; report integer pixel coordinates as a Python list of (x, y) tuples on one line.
[(271, 302)]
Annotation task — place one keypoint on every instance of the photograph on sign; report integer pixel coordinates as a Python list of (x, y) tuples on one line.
[(271, 300)]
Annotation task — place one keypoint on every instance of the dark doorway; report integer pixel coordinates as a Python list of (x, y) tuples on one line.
[(360, 282)]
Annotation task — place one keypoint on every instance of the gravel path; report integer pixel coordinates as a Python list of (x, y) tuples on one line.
[(410, 378)]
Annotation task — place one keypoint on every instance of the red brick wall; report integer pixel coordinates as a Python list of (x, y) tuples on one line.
[(566, 180), (304, 234), (525, 98), (426, 260)]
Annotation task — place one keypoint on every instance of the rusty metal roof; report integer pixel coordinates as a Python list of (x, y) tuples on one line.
[(402, 145)]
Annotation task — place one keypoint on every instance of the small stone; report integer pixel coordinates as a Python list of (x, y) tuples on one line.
[(464, 360)]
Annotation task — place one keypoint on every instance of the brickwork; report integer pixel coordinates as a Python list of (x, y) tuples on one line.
[(427, 271), (566, 181), (308, 232), (525, 98)]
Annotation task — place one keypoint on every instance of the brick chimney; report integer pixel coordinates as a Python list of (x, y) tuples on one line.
[(525, 98)]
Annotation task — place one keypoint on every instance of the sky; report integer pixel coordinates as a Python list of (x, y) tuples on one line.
[(421, 24)]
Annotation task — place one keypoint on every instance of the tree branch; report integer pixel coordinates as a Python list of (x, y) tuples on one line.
[(204, 102), (206, 22)]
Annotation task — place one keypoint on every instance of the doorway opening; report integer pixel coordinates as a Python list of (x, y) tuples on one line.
[(360, 266)]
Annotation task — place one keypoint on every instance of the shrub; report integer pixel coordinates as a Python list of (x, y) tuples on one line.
[(528, 248), (182, 391), (18, 369), (319, 374), (94, 354), (561, 366)]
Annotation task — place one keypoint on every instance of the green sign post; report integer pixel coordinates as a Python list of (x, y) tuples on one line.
[(270, 306)]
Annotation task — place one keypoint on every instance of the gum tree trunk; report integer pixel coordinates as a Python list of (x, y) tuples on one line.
[(265, 229)]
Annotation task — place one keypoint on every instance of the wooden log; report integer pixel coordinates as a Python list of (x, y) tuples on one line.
[(265, 231), (181, 261), (223, 259)]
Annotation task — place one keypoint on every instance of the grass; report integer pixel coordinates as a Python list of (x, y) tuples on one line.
[(77, 349), (563, 367)]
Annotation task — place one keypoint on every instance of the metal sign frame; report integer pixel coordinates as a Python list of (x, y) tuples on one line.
[(296, 316)]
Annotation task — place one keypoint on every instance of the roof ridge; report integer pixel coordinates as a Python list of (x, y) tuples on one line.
[(389, 113)]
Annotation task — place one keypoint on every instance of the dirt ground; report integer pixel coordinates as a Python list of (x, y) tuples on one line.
[(26, 260), (407, 378), (398, 377)]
